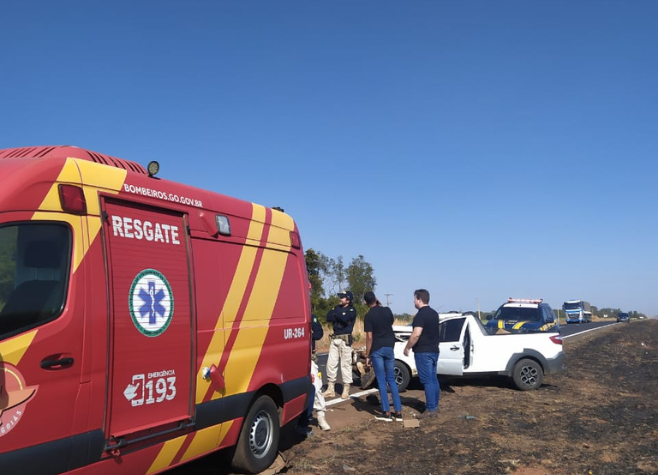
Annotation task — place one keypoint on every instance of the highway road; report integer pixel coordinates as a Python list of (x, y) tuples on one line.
[(573, 329)]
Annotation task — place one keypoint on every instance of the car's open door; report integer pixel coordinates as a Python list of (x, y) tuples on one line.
[(451, 346)]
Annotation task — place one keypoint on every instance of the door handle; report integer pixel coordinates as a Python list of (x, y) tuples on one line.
[(57, 362), (454, 348)]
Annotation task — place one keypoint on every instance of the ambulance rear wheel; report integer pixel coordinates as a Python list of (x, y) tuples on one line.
[(259, 438)]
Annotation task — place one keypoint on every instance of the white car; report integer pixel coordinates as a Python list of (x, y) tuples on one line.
[(467, 349)]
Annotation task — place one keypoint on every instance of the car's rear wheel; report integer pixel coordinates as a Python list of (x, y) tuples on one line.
[(259, 438), (402, 375), (527, 374)]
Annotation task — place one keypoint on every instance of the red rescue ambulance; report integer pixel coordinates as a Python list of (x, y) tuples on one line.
[(143, 323)]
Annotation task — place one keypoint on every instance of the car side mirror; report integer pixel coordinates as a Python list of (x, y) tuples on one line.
[(488, 317)]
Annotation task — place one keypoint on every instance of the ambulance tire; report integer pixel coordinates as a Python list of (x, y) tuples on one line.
[(258, 443), (527, 374)]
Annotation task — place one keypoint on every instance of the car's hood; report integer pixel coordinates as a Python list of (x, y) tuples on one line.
[(402, 329)]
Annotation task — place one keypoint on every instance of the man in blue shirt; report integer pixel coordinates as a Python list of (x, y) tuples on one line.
[(424, 340)]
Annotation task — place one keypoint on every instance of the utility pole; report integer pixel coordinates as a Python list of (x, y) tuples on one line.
[(387, 296), (477, 301)]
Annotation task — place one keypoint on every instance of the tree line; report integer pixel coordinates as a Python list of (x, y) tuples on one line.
[(328, 276)]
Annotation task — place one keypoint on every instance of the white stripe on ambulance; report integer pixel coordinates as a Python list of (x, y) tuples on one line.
[(136, 229)]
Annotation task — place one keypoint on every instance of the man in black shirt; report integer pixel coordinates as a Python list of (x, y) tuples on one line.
[(380, 341), (424, 340)]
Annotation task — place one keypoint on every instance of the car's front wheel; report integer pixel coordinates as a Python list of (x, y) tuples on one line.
[(527, 374)]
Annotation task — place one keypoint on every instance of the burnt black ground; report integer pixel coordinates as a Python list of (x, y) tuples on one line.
[(600, 417)]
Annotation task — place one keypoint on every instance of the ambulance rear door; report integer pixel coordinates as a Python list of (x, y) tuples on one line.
[(151, 323)]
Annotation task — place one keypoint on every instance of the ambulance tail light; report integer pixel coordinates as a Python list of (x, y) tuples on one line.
[(557, 339), (72, 199), (295, 241)]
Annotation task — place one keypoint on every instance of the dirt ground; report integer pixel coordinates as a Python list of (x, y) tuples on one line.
[(600, 417)]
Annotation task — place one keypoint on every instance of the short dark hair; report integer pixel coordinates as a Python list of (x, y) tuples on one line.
[(370, 298), (422, 295)]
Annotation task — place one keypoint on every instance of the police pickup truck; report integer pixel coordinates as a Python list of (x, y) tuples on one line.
[(468, 349)]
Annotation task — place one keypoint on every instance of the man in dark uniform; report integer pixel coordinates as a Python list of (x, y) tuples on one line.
[(342, 317)]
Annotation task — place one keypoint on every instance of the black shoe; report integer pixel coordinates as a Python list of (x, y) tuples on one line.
[(397, 416), (384, 416)]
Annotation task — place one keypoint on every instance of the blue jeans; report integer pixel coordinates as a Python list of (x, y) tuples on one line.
[(383, 362), (426, 366)]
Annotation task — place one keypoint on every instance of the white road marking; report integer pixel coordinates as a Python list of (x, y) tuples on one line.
[(355, 395)]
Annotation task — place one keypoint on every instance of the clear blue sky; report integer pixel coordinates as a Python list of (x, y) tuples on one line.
[(480, 150)]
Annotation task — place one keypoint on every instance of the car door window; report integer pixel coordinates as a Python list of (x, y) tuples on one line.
[(450, 330), (548, 314)]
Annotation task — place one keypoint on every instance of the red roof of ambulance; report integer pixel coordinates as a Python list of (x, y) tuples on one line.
[(66, 151)]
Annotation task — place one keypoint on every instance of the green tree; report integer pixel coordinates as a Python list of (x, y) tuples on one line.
[(360, 277), (329, 276), (317, 267), (337, 268)]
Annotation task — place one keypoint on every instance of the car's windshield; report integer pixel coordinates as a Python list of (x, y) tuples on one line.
[(518, 314), (572, 306), (34, 263)]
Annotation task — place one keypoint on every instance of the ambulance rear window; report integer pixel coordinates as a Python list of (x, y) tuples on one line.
[(34, 269)]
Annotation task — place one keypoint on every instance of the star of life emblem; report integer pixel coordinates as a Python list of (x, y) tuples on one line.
[(151, 302)]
